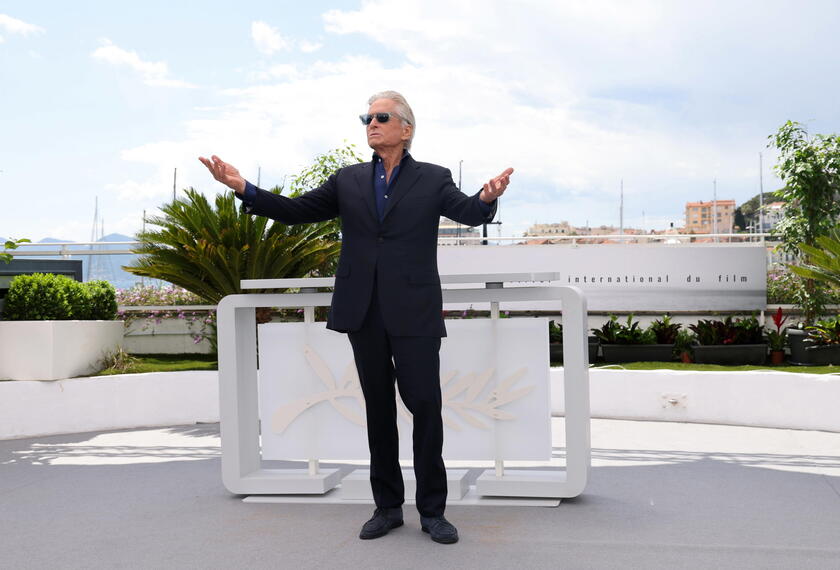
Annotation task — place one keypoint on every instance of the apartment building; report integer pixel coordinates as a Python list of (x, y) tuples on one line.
[(700, 217)]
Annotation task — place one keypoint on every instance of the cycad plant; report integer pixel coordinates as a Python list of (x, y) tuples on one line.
[(823, 263), (207, 249)]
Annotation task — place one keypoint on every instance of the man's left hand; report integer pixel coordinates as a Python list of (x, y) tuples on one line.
[(496, 187)]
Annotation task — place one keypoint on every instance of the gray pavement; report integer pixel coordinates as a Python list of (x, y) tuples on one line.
[(661, 495)]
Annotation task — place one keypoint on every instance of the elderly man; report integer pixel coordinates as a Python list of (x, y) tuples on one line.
[(387, 295)]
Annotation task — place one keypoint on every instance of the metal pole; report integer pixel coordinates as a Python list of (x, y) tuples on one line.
[(714, 208), (174, 180), (143, 279), (621, 211), (760, 194)]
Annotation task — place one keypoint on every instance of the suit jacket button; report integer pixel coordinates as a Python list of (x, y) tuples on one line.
[(380, 239)]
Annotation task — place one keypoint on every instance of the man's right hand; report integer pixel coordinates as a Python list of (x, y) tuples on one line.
[(224, 173)]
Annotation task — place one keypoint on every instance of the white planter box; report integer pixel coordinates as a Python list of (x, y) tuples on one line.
[(53, 350), (170, 336)]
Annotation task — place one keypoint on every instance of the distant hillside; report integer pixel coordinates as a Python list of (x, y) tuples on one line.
[(104, 267)]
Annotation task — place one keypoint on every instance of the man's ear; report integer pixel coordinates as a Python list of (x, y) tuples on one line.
[(407, 130)]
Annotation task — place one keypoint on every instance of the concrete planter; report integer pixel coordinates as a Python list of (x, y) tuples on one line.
[(796, 341), (555, 350), (734, 354), (823, 355), (53, 350), (637, 352)]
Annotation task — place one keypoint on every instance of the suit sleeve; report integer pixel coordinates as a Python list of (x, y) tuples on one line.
[(316, 205), (467, 210)]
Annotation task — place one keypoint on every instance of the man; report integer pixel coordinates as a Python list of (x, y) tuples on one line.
[(387, 294)]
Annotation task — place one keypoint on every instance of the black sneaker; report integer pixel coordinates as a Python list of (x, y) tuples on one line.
[(440, 529), (383, 520)]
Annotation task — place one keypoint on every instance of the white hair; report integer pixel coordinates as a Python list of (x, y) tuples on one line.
[(403, 110)]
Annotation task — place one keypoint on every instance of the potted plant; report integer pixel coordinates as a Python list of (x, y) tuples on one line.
[(824, 342), (555, 343), (777, 339), (729, 341), (631, 343), (56, 327), (684, 346)]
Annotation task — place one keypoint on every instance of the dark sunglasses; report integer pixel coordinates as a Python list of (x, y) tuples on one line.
[(380, 117)]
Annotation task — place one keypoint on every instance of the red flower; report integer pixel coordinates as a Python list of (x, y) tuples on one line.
[(778, 320)]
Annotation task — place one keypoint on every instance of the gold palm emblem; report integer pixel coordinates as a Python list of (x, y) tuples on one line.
[(467, 408)]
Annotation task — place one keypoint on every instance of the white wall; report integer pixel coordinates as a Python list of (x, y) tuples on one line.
[(170, 336), (762, 398), (30, 408), (765, 398)]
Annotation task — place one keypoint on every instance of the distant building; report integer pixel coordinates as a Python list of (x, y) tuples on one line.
[(699, 217), (773, 214), (549, 230), (449, 229)]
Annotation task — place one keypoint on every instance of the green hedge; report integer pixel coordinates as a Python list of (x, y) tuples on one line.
[(44, 296)]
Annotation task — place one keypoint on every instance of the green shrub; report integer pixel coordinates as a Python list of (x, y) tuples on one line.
[(664, 330), (728, 331), (45, 296), (614, 332), (103, 300), (37, 297)]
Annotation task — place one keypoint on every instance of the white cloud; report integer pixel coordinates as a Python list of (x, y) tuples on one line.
[(155, 73), (576, 97), (267, 39), (18, 27), (309, 47)]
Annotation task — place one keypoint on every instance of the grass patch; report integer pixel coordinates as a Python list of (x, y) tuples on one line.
[(716, 367), (165, 363)]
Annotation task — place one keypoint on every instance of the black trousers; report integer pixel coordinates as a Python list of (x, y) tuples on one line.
[(415, 364)]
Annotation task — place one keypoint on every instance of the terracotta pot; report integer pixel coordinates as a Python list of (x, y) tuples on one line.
[(686, 357), (777, 357)]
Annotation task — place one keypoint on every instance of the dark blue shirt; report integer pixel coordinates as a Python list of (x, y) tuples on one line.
[(382, 188)]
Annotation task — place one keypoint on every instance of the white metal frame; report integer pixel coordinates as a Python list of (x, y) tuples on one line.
[(242, 469)]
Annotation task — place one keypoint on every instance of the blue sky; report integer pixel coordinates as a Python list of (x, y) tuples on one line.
[(107, 98)]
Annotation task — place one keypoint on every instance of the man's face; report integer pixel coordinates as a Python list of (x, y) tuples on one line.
[(393, 134)]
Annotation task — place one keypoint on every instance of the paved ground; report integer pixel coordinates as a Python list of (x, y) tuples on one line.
[(661, 495)]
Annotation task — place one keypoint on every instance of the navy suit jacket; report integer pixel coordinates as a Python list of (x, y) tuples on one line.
[(399, 252)]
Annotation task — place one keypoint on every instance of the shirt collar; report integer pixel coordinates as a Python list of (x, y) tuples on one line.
[(377, 160)]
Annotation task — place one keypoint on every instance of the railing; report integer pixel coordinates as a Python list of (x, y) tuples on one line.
[(63, 248)]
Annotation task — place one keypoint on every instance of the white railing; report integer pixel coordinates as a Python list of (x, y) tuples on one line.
[(63, 248)]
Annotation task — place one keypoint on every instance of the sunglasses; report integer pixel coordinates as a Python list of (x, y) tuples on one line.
[(367, 118)]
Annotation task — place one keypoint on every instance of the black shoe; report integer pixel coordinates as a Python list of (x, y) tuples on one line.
[(382, 521), (440, 529)]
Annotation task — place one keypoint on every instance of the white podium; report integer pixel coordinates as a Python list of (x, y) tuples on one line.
[(247, 442)]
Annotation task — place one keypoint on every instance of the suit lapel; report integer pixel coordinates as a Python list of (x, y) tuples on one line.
[(408, 177), (364, 179)]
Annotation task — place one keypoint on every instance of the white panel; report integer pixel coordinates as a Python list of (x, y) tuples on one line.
[(629, 277), (311, 405)]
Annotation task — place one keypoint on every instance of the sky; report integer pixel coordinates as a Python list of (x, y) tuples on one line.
[(104, 100)]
